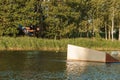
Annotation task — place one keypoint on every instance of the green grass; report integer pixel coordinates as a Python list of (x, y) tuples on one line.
[(31, 43)]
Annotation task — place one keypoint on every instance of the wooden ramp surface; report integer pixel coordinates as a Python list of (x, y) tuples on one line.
[(85, 54)]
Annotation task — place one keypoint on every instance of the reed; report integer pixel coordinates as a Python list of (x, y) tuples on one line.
[(32, 43)]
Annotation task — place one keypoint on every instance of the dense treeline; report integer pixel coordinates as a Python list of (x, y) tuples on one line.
[(62, 18)]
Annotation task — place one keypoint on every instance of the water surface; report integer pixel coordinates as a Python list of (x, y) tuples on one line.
[(39, 65)]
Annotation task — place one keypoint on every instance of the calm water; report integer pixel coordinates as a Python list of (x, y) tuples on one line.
[(37, 65)]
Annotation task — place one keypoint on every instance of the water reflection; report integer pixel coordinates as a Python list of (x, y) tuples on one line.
[(92, 71), (38, 65)]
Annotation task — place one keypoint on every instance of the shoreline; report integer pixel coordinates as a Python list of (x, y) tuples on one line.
[(54, 49)]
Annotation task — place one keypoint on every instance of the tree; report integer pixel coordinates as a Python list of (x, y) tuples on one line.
[(8, 17), (112, 7), (94, 14), (58, 17), (117, 18), (14, 12)]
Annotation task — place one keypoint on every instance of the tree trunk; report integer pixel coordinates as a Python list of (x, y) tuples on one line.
[(109, 34), (87, 34), (112, 28), (105, 31), (112, 20), (119, 34)]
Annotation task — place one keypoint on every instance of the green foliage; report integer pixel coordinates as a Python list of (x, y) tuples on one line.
[(60, 19), (14, 12)]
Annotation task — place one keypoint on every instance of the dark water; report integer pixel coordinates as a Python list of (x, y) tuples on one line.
[(38, 65)]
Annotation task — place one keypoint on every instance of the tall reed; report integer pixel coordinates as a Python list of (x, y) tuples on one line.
[(32, 43)]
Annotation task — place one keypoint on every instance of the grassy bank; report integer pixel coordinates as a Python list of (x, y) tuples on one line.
[(31, 43)]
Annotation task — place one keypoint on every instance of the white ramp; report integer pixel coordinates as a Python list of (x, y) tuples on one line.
[(85, 54)]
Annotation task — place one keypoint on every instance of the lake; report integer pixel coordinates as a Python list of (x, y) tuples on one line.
[(43, 65)]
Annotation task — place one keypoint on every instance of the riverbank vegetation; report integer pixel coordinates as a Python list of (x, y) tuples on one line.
[(31, 43)]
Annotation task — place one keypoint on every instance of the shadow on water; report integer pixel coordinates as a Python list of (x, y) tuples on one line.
[(32, 65), (39, 65)]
